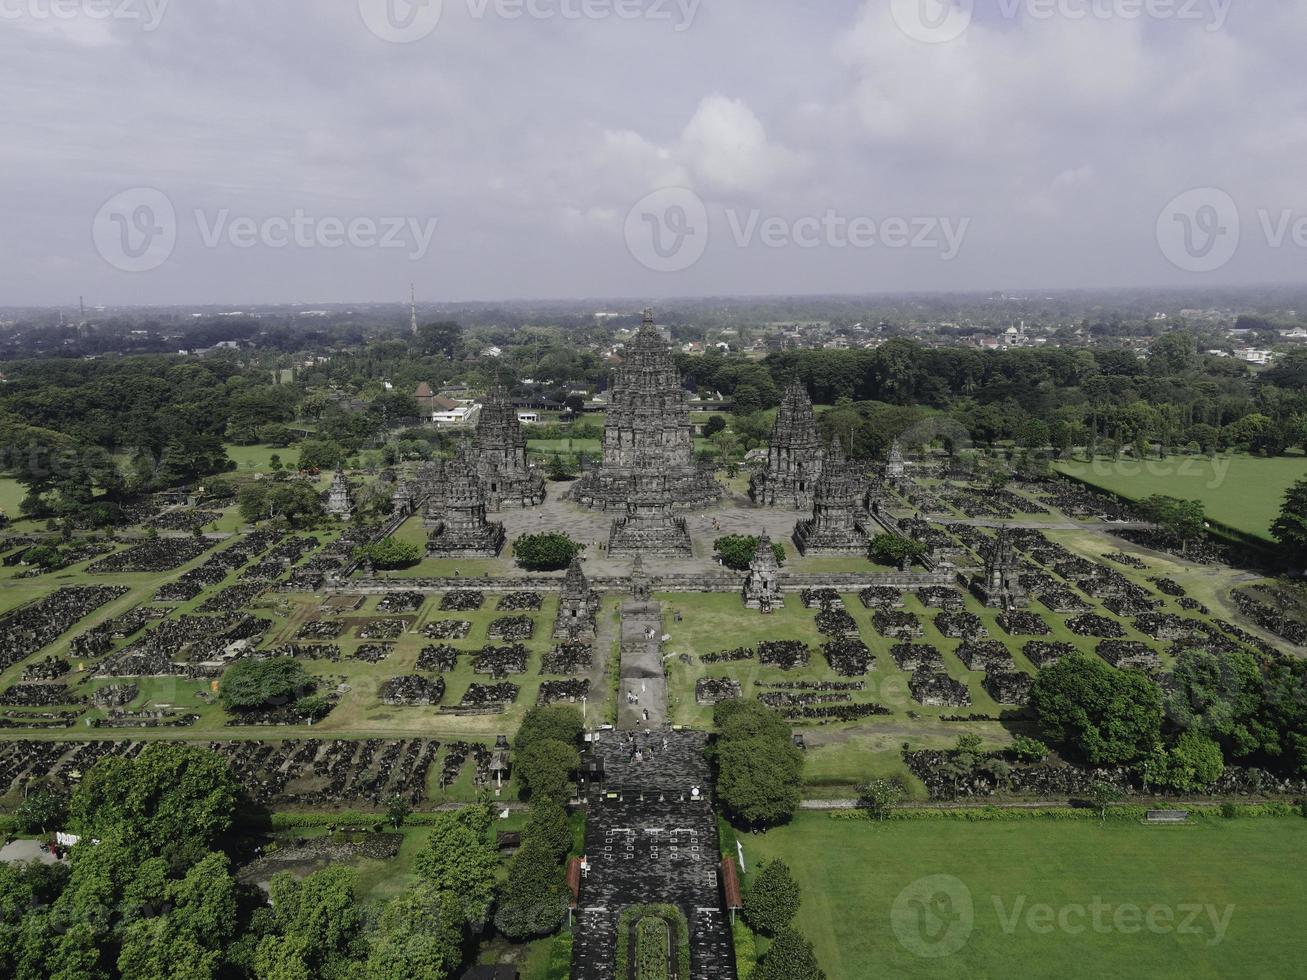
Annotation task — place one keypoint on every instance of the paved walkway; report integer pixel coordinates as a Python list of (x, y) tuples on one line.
[(642, 698)]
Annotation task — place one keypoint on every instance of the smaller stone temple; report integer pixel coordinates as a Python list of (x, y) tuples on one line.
[(1000, 586), (762, 589), (794, 455), (836, 526), (895, 465), (506, 477), (651, 525), (340, 503), (578, 607), (462, 530)]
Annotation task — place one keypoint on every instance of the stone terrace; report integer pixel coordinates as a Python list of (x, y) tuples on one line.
[(650, 839)]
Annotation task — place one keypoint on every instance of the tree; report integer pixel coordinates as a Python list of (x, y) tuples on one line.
[(458, 860), (1192, 763), (560, 722), (397, 810), (321, 454), (544, 769), (790, 957), (737, 551), (545, 552), (170, 799), (1181, 520), (559, 470), (1027, 749), (1219, 695), (1102, 795), (772, 901), (251, 684), (390, 553), (418, 934), (879, 796), (759, 769), (546, 824), (714, 425), (296, 502), (1290, 528), (41, 811), (1105, 715), (895, 549), (534, 897), (317, 925)]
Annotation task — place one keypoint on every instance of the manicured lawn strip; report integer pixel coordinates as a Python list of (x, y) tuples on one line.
[(851, 872), (1244, 492)]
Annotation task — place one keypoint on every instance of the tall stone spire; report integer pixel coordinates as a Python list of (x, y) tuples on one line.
[(836, 527), (506, 476), (794, 456)]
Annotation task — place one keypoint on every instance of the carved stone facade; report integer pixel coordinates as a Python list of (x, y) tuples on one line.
[(762, 589), (506, 477), (339, 501), (647, 433), (1000, 586), (836, 526), (462, 530), (577, 606), (895, 466), (794, 456), (651, 525)]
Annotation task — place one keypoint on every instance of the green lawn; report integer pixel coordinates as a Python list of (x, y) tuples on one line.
[(854, 874), (1244, 492), (253, 459)]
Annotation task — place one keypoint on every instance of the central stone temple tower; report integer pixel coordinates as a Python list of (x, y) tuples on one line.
[(1000, 586), (794, 455), (648, 472), (506, 477), (647, 431)]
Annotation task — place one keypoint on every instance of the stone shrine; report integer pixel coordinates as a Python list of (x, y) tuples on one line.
[(836, 526), (577, 606), (794, 456), (462, 530), (762, 588), (1000, 586), (507, 479), (339, 501)]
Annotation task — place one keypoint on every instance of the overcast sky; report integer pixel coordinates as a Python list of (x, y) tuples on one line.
[(729, 147)]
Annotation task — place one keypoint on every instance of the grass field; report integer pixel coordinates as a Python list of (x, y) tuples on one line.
[(1244, 492), (854, 875)]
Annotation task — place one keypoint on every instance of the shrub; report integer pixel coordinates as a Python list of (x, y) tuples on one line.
[(250, 684), (545, 552), (772, 901)]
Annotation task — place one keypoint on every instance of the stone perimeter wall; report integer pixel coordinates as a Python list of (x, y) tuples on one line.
[(844, 581)]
